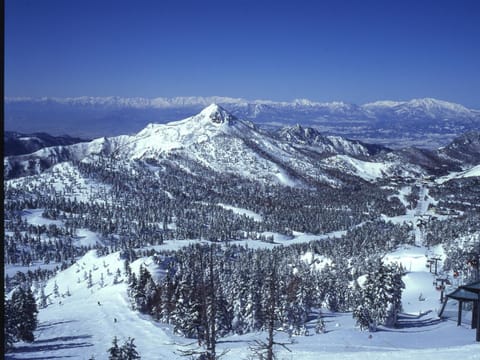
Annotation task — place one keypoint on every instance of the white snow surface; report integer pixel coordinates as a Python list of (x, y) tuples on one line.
[(219, 141), (364, 169), (164, 102), (83, 324), (472, 172), (369, 170), (241, 211), (210, 122), (65, 179)]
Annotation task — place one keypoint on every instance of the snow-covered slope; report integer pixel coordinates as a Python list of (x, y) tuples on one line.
[(428, 107), (472, 172), (213, 138), (211, 122), (37, 162), (371, 170), (311, 139), (223, 143), (81, 321)]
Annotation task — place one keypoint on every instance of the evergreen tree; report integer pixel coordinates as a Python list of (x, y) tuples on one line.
[(114, 352), (129, 350), (9, 326), (380, 297), (24, 314), (90, 280), (117, 276), (43, 298), (55, 289)]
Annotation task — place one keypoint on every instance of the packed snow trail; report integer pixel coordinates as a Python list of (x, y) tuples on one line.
[(414, 216), (423, 201), (83, 325)]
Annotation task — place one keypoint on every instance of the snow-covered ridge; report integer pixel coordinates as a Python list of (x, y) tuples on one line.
[(473, 172), (429, 104), (425, 123), (217, 140), (210, 122), (312, 139)]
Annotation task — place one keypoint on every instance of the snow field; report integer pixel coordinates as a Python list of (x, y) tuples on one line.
[(83, 324)]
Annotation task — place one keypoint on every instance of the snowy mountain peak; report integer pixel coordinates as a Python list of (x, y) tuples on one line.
[(216, 114), (429, 105)]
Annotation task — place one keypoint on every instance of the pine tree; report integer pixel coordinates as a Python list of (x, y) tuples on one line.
[(114, 353), (90, 280), (380, 295), (9, 326), (395, 287), (24, 314), (116, 278), (55, 289), (43, 298), (265, 350), (129, 350)]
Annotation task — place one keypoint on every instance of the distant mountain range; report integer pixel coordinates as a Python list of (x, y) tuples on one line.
[(427, 123), (293, 155)]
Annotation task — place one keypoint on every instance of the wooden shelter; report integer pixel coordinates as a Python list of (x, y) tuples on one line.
[(475, 288), (467, 293)]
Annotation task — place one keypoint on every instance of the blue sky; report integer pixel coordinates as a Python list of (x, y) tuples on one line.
[(355, 51)]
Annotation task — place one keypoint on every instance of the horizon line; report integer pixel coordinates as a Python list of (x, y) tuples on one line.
[(224, 99)]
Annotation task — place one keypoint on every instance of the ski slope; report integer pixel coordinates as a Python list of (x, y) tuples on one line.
[(83, 324)]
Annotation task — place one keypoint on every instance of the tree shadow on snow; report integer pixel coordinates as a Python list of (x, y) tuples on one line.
[(12, 357), (49, 346), (405, 324), (46, 325), (62, 338)]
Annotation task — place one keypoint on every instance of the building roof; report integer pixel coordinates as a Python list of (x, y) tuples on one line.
[(462, 294), (473, 287), (469, 292)]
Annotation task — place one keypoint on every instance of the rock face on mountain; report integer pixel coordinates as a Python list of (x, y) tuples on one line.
[(310, 138), (223, 143)]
